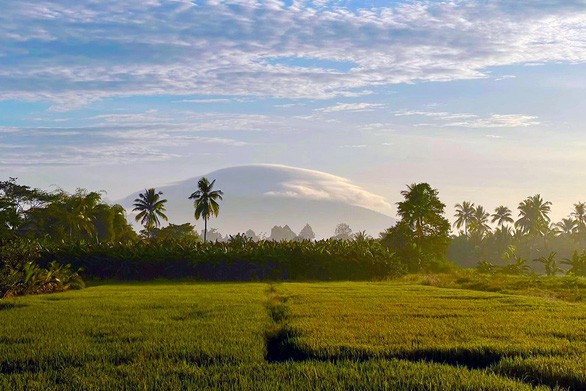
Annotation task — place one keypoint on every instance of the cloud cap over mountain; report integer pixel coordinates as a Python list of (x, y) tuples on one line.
[(261, 196)]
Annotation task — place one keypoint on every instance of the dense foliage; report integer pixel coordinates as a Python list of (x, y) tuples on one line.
[(239, 259), (421, 237), (531, 240), (59, 216), (20, 273)]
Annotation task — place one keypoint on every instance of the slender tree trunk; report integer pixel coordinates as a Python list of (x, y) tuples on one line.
[(205, 229)]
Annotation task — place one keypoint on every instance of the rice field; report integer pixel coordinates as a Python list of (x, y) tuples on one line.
[(290, 336)]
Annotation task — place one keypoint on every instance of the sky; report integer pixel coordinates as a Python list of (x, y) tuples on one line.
[(485, 100)]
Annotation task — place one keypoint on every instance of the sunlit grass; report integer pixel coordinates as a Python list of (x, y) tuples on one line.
[(351, 335), (475, 329)]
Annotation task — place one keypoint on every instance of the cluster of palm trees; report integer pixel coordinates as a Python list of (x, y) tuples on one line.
[(151, 206), (533, 219)]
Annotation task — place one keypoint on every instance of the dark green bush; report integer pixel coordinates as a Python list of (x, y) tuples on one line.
[(20, 273), (237, 260)]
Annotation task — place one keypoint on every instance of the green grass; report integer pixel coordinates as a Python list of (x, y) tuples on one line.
[(157, 336), (567, 288)]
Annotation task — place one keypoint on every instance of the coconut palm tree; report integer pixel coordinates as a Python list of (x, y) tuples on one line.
[(464, 215), (150, 206), (533, 215), (479, 224), (579, 214), (502, 215), (567, 227), (205, 202)]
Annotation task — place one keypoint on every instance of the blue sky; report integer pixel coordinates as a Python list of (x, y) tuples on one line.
[(483, 99)]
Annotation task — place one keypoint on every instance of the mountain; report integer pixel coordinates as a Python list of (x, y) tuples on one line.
[(259, 197)]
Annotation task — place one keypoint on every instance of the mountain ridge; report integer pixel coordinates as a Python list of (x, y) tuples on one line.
[(261, 196)]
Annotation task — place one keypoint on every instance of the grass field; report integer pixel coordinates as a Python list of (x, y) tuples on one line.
[(290, 336)]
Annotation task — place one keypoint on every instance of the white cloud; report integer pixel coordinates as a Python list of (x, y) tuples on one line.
[(497, 121), (113, 48), (505, 77), (321, 186), (440, 115), (467, 120), (351, 107)]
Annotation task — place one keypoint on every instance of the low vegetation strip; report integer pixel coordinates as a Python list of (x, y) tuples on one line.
[(238, 260)]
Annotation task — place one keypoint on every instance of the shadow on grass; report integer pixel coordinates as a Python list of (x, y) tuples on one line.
[(9, 306)]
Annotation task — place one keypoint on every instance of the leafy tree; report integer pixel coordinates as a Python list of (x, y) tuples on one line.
[(342, 232), (361, 236), (422, 212), (307, 233), (16, 203), (176, 232), (579, 214), (150, 206), (577, 264), (464, 215), (550, 264), (566, 227), (533, 215), (421, 237), (479, 224), (205, 202), (78, 213), (502, 215)]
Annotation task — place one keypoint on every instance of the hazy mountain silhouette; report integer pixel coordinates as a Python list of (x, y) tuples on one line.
[(261, 196)]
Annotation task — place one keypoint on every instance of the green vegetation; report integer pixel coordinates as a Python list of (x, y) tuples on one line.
[(345, 335), (532, 239), (240, 259), (421, 238), (150, 206), (205, 202)]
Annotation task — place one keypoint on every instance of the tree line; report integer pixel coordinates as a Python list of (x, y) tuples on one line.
[(422, 239), (530, 236)]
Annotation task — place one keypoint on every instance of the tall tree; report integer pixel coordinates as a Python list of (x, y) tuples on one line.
[(534, 215), (150, 206), (579, 214), (479, 224), (205, 202), (566, 227), (422, 212), (464, 215), (421, 237), (342, 232), (502, 215)]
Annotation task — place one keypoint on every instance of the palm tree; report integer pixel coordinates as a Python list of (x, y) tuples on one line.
[(464, 215), (579, 213), (150, 207), (479, 224), (205, 202), (533, 215), (565, 227), (502, 215)]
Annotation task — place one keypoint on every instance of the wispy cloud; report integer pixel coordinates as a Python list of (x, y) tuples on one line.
[(497, 121), (73, 54), (322, 186), (355, 107), (467, 120)]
